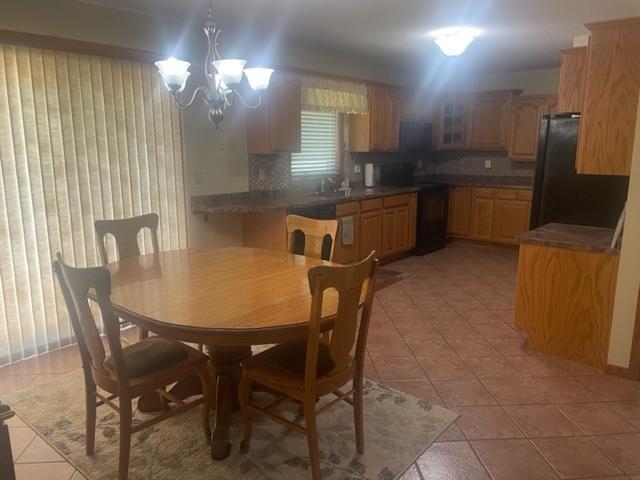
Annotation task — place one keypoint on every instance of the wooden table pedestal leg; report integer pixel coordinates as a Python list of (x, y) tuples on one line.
[(226, 362)]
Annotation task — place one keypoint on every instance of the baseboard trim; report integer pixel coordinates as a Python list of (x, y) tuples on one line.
[(624, 372)]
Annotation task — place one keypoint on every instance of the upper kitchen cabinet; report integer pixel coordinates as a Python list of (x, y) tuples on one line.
[(379, 130), (610, 104), (417, 108), (274, 127), (488, 125), (450, 121), (526, 113), (572, 79)]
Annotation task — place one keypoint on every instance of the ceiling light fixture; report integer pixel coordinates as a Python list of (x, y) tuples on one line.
[(454, 41), (223, 77)]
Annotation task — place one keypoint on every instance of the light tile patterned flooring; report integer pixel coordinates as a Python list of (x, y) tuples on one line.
[(445, 334)]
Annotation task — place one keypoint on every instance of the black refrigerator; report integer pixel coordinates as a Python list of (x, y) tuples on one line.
[(559, 193)]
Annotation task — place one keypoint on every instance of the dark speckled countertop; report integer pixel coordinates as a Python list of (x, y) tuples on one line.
[(573, 237), (264, 201)]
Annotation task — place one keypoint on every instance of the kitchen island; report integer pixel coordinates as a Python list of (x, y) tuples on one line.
[(565, 291)]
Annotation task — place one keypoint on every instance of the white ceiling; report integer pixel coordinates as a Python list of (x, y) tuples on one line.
[(518, 34)]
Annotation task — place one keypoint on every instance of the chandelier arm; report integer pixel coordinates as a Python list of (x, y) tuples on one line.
[(182, 105), (245, 103)]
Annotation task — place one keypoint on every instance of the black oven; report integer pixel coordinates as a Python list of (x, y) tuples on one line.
[(433, 206)]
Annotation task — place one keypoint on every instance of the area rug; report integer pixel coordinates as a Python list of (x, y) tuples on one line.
[(398, 429), (386, 277)]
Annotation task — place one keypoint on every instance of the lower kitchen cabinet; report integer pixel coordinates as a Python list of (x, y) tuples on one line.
[(389, 218), (481, 218), (489, 214), (459, 221), (413, 219), (371, 232)]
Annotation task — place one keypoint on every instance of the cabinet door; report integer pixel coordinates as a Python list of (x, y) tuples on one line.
[(379, 105), (402, 242), (348, 253), (450, 120), (388, 230), (609, 110), (511, 218), (371, 233), (526, 113), (359, 133), (572, 79), (284, 115), (413, 219), (396, 107), (459, 222), (482, 218), (489, 121)]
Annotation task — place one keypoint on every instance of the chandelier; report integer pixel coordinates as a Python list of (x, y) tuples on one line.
[(223, 77)]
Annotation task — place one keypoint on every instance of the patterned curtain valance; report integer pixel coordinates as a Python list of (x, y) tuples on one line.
[(326, 95)]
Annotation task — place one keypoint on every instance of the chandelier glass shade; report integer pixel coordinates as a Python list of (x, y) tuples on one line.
[(223, 77)]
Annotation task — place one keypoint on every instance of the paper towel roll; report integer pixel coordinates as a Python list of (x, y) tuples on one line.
[(369, 179)]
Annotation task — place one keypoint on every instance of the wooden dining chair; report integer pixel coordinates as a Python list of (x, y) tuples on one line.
[(316, 235), (305, 370), (144, 368)]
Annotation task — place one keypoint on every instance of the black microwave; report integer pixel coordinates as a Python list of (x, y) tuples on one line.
[(415, 136)]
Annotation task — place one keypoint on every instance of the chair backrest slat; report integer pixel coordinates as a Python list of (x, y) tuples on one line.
[(125, 231), (314, 232), (351, 324)]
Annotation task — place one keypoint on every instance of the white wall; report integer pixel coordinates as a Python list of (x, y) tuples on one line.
[(628, 284)]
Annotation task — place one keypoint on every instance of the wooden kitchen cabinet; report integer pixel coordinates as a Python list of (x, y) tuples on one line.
[(488, 125), (490, 214), (511, 218), (572, 79), (274, 127), (459, 221), (481, 217), (388, 231), (609, 109), (450, 122), (524, 129), (371, 233), (395, 224), (379, 130)]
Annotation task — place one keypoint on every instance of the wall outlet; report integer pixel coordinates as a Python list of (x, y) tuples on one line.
[(487, 164), (356, 168), (197, 178), (261, 175), (420, 164)]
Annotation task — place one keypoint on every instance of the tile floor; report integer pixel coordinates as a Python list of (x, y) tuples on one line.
[(445, 334)]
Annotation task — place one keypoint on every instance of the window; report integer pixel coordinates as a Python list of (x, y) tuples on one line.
[(318, 155), (81, 138)]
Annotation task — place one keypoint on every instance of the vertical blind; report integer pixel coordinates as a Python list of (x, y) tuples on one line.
[(81, 138), (318, 152)]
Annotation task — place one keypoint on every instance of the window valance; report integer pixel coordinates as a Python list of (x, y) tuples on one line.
[(327, 95)]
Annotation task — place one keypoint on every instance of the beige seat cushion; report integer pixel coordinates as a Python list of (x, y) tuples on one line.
[(290, 358), (150, 355)]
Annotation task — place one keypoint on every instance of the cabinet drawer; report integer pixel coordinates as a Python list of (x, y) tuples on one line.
[(373, 204), (506, 194), (524, 194), (396, 201), (349, 208), (481, 192)]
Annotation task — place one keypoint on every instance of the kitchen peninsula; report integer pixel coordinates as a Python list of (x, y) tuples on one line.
[(565, 291)]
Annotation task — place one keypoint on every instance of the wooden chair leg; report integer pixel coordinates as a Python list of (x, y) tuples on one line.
[(208, 390), (358, 417), (143, 333), (125, 438), (91, 406), (244, 396), (312, 438)]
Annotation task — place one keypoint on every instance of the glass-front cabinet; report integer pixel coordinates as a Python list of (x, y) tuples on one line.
[(450, 122)]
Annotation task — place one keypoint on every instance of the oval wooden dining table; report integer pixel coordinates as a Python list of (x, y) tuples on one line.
[(228, 299)]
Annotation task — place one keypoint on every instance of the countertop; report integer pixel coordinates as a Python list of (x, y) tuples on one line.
[(573, 237), (478, 180), (264, 201)]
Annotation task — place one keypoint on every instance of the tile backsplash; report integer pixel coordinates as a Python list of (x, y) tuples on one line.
[(473, 163), (269, 172)]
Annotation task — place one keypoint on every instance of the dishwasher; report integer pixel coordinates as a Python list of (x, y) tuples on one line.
[(319, 212)]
